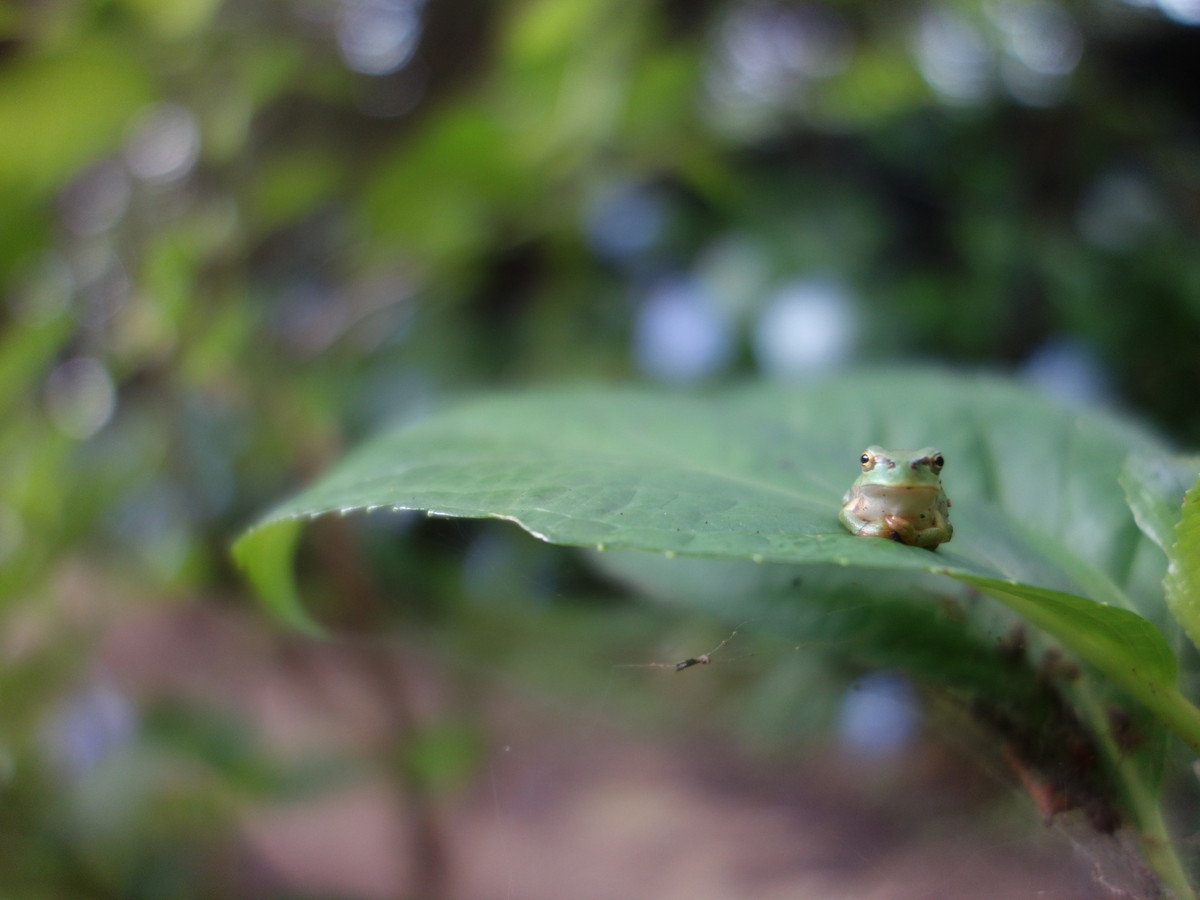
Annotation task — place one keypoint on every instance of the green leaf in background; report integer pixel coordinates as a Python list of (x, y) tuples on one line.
[(24, 353), (60, 110), (758, 474), (1121, 644), (266, 555), (1183, 578), (1154, 493), (174, 18)]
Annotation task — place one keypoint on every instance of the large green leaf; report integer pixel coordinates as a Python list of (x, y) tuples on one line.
[(758, 473)]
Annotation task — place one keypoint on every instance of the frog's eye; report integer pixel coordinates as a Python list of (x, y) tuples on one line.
[(938, 462), (867, 460)]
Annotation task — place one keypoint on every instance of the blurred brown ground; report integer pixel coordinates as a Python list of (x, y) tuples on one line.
[(566, 803)]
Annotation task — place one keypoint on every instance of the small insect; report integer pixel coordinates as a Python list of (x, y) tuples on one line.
[(702, 660)]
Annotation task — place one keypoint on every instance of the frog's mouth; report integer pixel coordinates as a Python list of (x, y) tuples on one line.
[(882, 490)]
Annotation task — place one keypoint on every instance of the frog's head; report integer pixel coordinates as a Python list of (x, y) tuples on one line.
[(910, 468)]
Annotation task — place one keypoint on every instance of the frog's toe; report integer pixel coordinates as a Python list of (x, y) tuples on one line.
[(900, 530)]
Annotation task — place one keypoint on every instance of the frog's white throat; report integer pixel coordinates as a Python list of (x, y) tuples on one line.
[(879, 500)]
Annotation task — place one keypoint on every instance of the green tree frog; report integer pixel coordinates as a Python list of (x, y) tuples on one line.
[(899, 496)]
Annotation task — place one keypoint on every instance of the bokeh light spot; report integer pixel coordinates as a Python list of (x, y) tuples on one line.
[(809, 326), (165, 143), (80, 397), (953, 56), (96, 200), (88, 727), (1041, 35), (1042, 44), (378, 37), (624, 220), (1070, 371), (679, 334), (879, 715), (1185, 12)]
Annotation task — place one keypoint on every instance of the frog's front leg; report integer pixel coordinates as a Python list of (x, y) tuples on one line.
[(906, 532), (864, 527), (856, 514), (901, 529)]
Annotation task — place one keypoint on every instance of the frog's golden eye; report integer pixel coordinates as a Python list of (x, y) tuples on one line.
[(938, 462), (867, 460)]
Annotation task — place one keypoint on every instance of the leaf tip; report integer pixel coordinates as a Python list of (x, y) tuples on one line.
[(265, 553)]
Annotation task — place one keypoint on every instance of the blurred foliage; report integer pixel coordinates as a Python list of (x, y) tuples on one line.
[(239, 236)]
